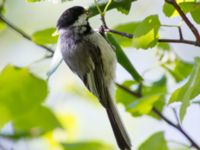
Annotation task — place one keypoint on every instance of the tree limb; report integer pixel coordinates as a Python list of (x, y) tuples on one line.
[(163, 117), (23, 34), (185, 18), (179, 41)]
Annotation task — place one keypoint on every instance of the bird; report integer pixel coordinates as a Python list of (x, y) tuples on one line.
[(90, 56)]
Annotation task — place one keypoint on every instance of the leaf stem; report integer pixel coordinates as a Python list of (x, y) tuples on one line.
[(106, 8), (98, 8)]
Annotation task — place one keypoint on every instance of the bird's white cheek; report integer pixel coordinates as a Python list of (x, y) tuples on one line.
[(83, 29), (82, 20)]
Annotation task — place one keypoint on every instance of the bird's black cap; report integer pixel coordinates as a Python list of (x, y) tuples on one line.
[(69, 16)]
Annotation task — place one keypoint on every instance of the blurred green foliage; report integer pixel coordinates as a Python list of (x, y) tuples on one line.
[(22, 94), (189, 90), (153, 96), (21, 98), (93, 145), (45, 36)]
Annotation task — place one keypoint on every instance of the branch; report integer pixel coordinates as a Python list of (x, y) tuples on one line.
[(162, 116), (180, 33), (107, 29), (127, 90), (185, 18), (176, 116), (23, 34), (179, 41), (179, 143), (176, 126)]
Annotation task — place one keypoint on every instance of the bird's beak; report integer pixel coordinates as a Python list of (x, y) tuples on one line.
[(56, 33), (88, 13)]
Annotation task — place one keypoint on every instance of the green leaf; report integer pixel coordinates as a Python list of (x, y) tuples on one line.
[(153, 96), (33, 1), (90, 145), (178, 69), (146, 33), (124, 97), (121, 5), (168, 10), (2, 25), (20, 91), (40, 118), (187, 6), (164, 46), (143, 105), (124, 7), (21, 87), (128, 28), (189, 90), (5, 116), (157, 88), (196, 15), (155, 142), (44, 37), (123, 59)]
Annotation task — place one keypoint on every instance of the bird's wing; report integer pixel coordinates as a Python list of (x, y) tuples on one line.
[(94, 79), (56, 61), (84, 59)]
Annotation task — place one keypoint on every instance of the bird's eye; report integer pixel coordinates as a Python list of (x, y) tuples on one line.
[(87, 12)]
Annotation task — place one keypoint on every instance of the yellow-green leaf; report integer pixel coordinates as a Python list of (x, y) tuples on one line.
[(189, 90), (123, 59), (153, 96), (155, 142), (40, 118), (44, 37), (143, 105), (121, 5), (146, 33), (21, 97), (89, 145)]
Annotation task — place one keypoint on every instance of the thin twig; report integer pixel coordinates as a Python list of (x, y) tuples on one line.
[(180, 33), (179, 128), (104, 27), (25, 35), (107, 6), (175, 26), (179, 143), (176, 116), (127, 35), (194, 43), (163, 117), (185, 18), (127, 90), (98, 8)]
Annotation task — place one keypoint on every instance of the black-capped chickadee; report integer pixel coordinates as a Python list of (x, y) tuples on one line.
[(90, 56)]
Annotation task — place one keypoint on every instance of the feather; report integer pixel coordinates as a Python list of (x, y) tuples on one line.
[(56, 61)]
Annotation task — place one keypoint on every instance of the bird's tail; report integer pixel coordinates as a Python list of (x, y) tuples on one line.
[(119, 130)]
